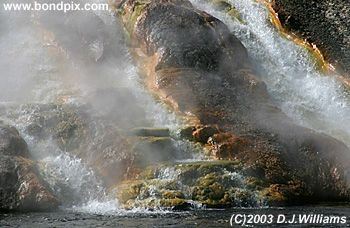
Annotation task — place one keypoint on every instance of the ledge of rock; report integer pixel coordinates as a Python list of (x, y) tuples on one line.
[(192, 62)]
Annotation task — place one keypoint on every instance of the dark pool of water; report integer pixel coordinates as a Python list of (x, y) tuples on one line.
[(196, 218)]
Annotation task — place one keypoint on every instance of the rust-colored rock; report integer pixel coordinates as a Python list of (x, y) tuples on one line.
[(203, 133), (226, 145)]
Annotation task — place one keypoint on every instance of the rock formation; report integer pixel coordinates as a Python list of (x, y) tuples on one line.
[(21, 187), (192, 62)]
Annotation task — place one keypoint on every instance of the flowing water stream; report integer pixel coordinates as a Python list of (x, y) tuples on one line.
[(310, 98)]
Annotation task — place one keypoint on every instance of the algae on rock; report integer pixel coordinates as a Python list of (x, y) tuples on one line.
[(215, 184)]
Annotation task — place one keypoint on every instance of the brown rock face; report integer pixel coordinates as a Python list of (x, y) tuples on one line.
[(193, 63), (226, 145)]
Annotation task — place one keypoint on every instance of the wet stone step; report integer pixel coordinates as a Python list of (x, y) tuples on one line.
[(212, 184), (148, 132), (150, 150)]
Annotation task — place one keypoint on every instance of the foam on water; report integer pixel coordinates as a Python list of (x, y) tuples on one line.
[(310, 98)]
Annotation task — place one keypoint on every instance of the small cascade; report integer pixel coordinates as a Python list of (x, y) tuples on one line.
[(68, 173), (191, 185)]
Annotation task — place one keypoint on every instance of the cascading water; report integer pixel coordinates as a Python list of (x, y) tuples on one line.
[(38, 81), (313, 100), (50, 75)]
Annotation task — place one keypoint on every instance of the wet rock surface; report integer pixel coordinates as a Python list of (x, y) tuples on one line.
[(324, 23), (21, 187), (73, 129), (105, 142), (212, 184), (151, 132), (154, 149), (194, 64), (11, 143)]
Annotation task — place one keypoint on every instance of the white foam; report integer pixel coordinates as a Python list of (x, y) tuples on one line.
[(98, 207)]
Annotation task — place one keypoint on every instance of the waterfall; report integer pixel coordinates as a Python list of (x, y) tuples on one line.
[(37, 72), (310, 98)]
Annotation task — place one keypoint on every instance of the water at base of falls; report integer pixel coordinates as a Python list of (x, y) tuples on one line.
[(199, 218)]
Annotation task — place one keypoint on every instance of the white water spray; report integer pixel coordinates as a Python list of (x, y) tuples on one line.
[(310, 98), (35, 73)]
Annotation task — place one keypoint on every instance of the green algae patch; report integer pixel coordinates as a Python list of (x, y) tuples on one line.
[(131, 12), (186, 133), (172, 195), (234, 13), (222, 5), (255, 183), (175, 204), (129, 190), (213, 184), (280, 194)]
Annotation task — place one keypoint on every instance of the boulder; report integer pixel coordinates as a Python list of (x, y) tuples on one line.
[(21, 188), (195, 65), (11, 143)]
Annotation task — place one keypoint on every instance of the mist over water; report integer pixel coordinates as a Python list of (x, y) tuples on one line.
[(311, 99), (80, 60)]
